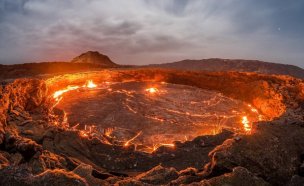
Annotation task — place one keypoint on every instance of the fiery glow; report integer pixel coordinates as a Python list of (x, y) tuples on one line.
[(152, 90), (83, 134), (246, 124), (75, 126), (167, 144), (58, 93), (261, 118), (90, 84), (108, 132), (130, 140), (254, 110), (156, 146)]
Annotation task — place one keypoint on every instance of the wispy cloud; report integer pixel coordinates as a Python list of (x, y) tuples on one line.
[(152, 31)]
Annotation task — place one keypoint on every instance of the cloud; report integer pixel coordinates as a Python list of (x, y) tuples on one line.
[(151, 31)]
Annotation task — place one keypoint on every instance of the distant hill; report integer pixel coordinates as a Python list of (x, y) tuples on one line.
[(92, 57), (34, 69), (85, 62), (96, 61), (216, 64)]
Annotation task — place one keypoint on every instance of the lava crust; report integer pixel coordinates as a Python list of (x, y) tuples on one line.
[(167, 114), (39, 146)]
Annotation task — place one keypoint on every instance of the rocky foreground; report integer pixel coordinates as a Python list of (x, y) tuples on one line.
[(38, 148)]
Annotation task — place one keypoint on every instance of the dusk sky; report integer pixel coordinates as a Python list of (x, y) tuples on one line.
[(152, 31)]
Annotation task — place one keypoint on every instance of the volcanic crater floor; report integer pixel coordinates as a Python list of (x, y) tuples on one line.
[(153, 114), (38, 147)]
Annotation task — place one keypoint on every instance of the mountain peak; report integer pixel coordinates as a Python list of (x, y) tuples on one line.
[(94, 57)]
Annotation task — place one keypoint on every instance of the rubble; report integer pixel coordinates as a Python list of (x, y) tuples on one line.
[(238, 177), (85, 171), (296, 181), (158, 175)]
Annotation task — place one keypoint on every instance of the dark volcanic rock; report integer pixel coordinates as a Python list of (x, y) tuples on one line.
[(12, 176), (95, 58), (158, 175), (296, 181), (113, 158), (58, 177), (240, 176), (85, 171), (3, 160), (271, 153), (25, 146)]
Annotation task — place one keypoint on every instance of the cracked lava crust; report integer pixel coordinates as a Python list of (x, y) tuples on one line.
[(148, 126)]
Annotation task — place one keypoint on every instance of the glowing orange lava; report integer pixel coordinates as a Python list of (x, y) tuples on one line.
[(155, 147), (130, 140), (246, 124), (57, 95), (152, 90), (90, 84), (254, 110), (108, 132), (83, 134)]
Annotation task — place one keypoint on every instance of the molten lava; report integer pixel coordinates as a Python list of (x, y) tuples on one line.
[(90, 84), (83, 134), (246, 124), (155, 147), (152, 90), (57, 95), (130, 140)]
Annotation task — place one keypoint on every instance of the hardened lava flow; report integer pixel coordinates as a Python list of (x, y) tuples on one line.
[(149, 126)]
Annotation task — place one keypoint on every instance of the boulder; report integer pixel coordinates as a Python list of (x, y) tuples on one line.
[(158, 175), (239, 176)]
